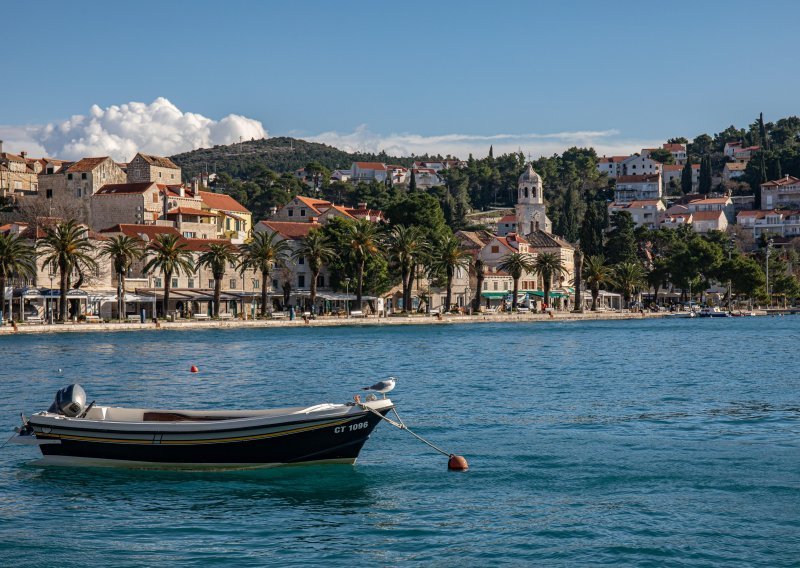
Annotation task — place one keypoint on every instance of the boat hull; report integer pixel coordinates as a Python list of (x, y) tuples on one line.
[(336, 439)]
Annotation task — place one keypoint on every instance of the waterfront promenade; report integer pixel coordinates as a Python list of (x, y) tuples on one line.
[(323, 322)]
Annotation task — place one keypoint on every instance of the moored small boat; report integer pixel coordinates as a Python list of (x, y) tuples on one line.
[(713, 312), (72, 433)]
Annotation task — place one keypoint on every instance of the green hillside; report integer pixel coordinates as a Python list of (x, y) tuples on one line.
[(281, 154)]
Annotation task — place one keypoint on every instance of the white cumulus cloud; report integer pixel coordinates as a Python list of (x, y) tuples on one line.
[(605, 142), (120, 131)]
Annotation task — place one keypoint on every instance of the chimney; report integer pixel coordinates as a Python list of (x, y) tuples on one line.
[(182, 190), (362, 205), (196, 187), (315, 219), (1, 146), (273, 210), (23, 154)]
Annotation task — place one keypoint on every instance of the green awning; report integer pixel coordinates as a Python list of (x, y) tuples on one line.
[(495, 295)]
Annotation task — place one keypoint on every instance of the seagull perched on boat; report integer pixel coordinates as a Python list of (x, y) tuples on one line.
[(382, 386)]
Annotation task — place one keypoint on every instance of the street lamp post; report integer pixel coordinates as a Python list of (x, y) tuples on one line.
[(347, 297)]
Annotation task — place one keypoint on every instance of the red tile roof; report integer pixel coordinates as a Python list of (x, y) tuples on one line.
[(707, 215), (612, 159), (787, 180), (290, 229), (371, 166), (86, 164), (201, 245), (508, 219), (318, 205), (711, 201), (672, 168), (674, 147), (222, 202), (159, 161), (150, 231), (124, 188)]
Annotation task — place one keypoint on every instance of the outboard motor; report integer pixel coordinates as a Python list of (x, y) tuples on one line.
[(70, 401)]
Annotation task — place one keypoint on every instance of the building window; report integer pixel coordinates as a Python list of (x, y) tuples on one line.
[(159, 174), (155, 198), (190, 283), (256, 284), (157, 283), (174, 282), (485, 285), (301, 280), (301, 260), (291, 212), (233, 283), (69, 176), (506, 285), (302, 212), (495, 284), (49, 194), (274, 283), (320, 280), (211, 283), (172, 176)]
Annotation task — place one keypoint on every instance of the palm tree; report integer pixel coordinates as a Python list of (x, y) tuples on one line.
[(216, 258), (406, 247), (516, 264), (547, 265), (122, 250), (628, 277), (262, 254), (597, 275), (67, 247), (169, 255), (447, 257), (478, 266), (16, 257), (362, 244), (316, 249)]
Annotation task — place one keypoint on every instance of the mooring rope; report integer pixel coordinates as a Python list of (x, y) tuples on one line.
[(402, 426)]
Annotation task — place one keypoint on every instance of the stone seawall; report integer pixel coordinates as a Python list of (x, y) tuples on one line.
[(320, 322)]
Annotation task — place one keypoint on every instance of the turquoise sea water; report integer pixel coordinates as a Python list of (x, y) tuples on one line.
[(638, 443)]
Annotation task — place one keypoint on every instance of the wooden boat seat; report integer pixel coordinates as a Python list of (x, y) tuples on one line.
[(177, 417)]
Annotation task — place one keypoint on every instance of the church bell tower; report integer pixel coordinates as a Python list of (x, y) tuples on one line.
[(531, 213)]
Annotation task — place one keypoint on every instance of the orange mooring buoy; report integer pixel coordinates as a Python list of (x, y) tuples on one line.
[(194, 369), (457, 463)]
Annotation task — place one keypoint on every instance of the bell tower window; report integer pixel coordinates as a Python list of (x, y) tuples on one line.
[(526, 193)]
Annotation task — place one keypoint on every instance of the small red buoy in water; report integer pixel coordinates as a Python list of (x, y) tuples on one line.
[(457, 463), (194, 369)]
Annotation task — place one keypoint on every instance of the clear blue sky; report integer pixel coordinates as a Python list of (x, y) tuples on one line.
[(649, 70)]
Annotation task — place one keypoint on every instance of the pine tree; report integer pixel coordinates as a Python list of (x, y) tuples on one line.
[(686, 178), (412, 185), (621, 245)]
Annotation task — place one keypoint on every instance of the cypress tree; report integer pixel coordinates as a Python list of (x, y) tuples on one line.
[(591, 233), (412, 185), (705, 175), (762, 131), (491, 152), (621, 245), (686, 178), (762, 167)]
